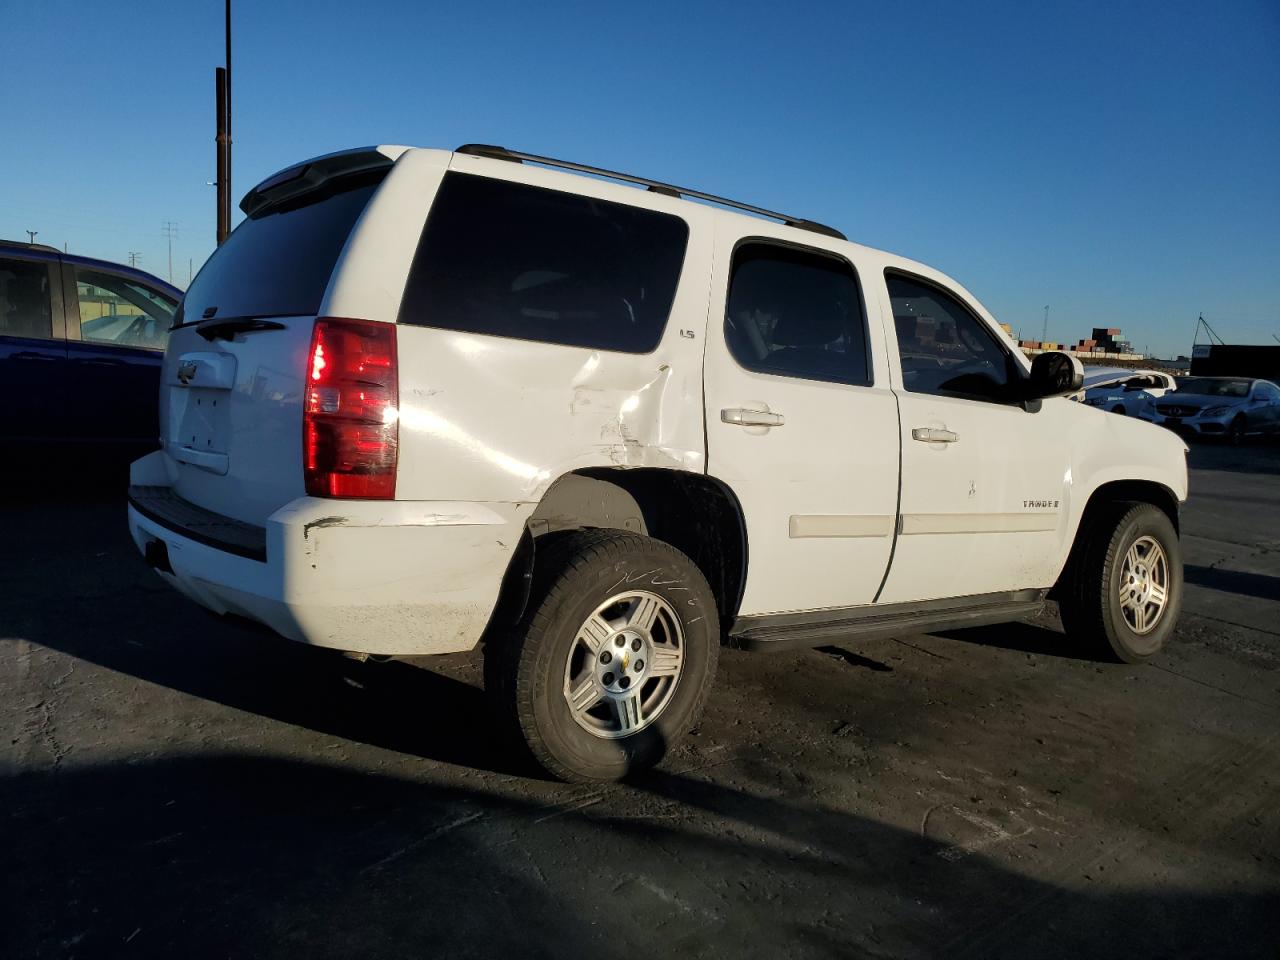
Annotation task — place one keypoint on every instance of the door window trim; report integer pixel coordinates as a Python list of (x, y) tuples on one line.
[(816, 251), (1014, 368)]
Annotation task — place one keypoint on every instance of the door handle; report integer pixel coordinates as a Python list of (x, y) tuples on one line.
[(932, 435), (742, 417)]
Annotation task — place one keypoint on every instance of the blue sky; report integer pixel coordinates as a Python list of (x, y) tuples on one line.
[(1119, 162)]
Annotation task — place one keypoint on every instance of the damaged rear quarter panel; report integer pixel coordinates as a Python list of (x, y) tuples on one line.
[(485, 418)]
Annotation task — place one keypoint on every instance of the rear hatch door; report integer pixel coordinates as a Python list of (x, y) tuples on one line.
[(234, 372)]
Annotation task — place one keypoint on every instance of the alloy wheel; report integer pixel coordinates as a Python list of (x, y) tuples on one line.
[(624, 664)]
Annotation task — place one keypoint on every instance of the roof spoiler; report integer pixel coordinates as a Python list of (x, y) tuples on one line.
[(309, 175)]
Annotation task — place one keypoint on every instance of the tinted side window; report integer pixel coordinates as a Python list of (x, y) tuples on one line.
[(117, 310), (796, 313), (510, 260), (945, 349), (25, 306)]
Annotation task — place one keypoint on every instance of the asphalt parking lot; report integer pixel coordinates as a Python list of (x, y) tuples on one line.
[(171, 785)]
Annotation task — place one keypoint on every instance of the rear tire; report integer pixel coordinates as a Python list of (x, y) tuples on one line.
[(613, 660), (1120, 410), (1123, 589)]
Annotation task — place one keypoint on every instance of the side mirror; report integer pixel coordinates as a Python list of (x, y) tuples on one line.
[(1054, 374)]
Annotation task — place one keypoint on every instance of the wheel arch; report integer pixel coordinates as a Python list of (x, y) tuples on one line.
[(695, 513), (1106, 497), (1120, 491)]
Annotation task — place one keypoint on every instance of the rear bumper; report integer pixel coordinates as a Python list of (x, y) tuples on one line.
[(384, 577)]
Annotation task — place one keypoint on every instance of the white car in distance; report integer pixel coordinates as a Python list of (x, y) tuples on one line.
[(1124, 391), (424, 400)]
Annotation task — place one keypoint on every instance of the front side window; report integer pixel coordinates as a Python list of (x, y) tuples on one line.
[(25, 305), (945, 349), (796, 313), (120, 311), (510, 260)]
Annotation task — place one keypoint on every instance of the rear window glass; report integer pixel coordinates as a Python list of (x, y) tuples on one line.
[(511, 260), (278, 262)]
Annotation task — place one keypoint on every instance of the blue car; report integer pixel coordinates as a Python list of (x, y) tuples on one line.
[(81, 343)]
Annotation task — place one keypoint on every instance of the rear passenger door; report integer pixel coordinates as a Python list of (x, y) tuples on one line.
[(33, 354), (801, 423)]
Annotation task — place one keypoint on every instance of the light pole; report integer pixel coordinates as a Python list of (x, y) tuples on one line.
[(222, 89)]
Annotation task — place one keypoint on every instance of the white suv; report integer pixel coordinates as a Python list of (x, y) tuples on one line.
[(422, 400)]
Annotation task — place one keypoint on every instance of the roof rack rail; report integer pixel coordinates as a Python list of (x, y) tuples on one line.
[(654, 186), (29, 246)]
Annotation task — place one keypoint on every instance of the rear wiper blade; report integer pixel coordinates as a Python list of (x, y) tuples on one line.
[(225, 329)]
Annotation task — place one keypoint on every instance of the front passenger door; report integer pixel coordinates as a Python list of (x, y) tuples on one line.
[(985, 483)]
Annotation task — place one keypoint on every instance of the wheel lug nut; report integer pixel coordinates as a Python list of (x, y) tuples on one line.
[(608, 679), (606, 657), (624, 682), (639, 665), (635, 644), (619, 642)]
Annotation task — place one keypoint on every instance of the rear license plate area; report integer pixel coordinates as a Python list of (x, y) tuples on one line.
[(199, 426)]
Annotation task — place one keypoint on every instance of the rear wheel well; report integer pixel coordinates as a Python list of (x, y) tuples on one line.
[(694, 513)]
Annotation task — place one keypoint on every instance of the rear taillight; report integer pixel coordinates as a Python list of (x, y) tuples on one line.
[(350, 424)]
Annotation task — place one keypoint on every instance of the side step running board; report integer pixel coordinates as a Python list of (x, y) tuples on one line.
[(789, 631)]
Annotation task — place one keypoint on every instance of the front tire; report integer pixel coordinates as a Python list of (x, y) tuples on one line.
[(612, 663), (1236, 432), (1124, 587)]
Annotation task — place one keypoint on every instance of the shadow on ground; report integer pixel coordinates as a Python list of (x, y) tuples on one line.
[(241, 855), (1024, 637), (1259, 585)]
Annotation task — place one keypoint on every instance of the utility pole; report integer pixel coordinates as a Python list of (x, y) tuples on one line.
[(1044, 332), (189, 259), (33, 234), (134, 257), (222, 90), (170, 234)]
